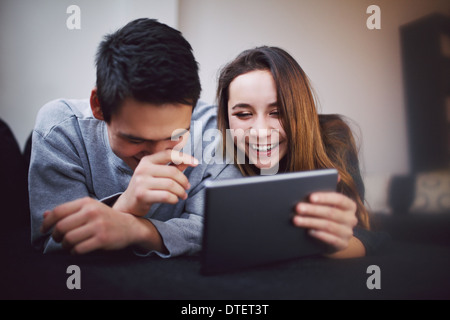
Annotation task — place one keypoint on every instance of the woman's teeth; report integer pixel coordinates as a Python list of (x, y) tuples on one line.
[(263, 148)]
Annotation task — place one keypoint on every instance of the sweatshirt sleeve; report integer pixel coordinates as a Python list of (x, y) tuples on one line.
[(183, 235), (56, 176), (373, 241)]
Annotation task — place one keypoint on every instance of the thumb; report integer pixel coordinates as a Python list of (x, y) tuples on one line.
[(182, 166), (182, 160)]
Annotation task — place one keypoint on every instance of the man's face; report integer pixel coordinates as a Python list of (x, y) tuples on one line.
[(139, 129)]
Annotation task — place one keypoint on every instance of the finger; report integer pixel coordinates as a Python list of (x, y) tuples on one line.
[(336, 242), (92, 244), (181, 166), (336, 199), (149, 178), (164, 171), (166, 184), (45, 222), (67, 224), (91, 241), (159, 196), (171, 156), (77, 235), (172, 173), (89, 245), (324, 212), (178, 157), (327, 226), (60, 212)]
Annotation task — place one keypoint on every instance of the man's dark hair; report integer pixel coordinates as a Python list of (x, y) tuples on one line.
[(147, 61)]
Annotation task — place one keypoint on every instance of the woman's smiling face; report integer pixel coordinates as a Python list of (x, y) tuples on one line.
[(254, 118)]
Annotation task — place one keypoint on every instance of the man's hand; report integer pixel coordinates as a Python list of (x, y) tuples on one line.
[(86, 225), (155, 180)]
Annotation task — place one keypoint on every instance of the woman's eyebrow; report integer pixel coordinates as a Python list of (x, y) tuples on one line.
[(241, 105), (246, 105)]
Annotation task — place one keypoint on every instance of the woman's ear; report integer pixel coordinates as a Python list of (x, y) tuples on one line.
[(95, 105)]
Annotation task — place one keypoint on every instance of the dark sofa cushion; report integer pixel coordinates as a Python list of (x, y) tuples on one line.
[(13, 182)]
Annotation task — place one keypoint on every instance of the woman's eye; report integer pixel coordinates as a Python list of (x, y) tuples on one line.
[(275, 113), (243, 115)]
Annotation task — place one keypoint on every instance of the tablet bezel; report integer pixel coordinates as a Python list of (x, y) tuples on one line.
[(217, 256)]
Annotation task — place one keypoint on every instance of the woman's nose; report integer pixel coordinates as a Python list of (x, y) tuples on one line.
[(260, 129), (261, 123)]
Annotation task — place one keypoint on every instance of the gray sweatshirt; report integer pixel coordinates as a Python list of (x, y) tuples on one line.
[(71, 159)]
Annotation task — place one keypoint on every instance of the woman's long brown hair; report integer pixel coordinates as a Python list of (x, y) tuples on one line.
[(314, 142)]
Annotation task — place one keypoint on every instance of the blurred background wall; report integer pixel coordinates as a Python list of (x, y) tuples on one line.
[(354, 70), (41, 59)]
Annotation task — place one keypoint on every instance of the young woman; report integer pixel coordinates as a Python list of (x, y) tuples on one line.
[(266, 100)]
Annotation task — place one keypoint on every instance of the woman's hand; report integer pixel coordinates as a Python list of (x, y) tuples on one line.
[(329, 216)]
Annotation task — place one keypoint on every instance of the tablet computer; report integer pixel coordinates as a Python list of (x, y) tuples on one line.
[(248, 221)]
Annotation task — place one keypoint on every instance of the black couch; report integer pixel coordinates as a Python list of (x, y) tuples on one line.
[(414, 263)]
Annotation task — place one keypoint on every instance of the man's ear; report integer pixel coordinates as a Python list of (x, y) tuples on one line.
[(95, 105)]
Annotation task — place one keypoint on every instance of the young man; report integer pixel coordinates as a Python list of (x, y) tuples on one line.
[(102, 172)]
